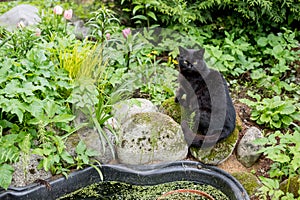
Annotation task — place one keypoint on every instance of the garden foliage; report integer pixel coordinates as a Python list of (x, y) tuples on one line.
[(46, 77)]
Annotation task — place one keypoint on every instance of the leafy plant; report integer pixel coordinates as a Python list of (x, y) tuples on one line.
[(142, 11), (231, 57), (26, 84), (9, 153), (283, 150), (102, 22), (89, 94), (273, 112), (19, 42)]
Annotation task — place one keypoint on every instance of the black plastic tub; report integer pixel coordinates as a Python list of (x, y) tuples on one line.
[(137, 175)]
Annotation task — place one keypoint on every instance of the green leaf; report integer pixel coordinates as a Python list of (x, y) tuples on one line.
[(287, 120), (287, 109), (277, 49), (276, 124), (46, 163), (80, 148), (295, 163), (36, 108), (152, 15), (136, 8), (296, 116), (92, 152), (50, 107), (262, 41), (6, 173), (63, 118), (142, 17), (265, 117), (227, 57), (67, 157), (85, 159), (282, 158), (8, 154)]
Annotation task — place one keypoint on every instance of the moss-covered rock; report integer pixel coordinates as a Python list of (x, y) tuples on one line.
[(293, 185), (151, 137), (221, 151), (249, 181)]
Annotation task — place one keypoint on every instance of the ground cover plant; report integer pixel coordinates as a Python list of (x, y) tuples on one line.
[(131, 51)]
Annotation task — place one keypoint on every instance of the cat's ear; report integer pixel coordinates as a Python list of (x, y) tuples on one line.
[(201, 53), (181, 50)]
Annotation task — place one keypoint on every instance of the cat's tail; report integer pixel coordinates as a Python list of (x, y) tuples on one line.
[(196, 140)]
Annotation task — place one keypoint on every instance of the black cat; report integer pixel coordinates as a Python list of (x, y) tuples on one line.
[(204, 93)]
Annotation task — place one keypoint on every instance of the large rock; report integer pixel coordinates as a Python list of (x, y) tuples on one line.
[(247, 150), (25, 14), (149, 138), (125, 109), (249, 181), (221, 151)]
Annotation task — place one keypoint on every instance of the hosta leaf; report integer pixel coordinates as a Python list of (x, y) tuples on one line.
[(287, 120), (275, 124), (275, 117), (265, 117), (6, 172), (296, 116), (287, 109)]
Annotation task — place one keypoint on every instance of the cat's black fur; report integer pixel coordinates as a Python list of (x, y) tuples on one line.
[(207, 95)]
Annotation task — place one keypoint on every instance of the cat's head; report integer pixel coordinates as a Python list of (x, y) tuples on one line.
[(191, 59)]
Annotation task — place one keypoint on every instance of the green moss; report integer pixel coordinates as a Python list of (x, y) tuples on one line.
[(118, 190), (221, 151), (172, 109), (293, 186), (249, 181)]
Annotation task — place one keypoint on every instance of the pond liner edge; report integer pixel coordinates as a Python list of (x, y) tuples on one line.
[(137, 175)]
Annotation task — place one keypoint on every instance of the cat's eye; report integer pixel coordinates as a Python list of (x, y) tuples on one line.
[(195, 63), (185, 62)]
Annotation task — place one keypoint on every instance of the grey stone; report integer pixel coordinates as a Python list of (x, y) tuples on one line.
[(93, 139), (151, 137), (26, 14), (246, 149), (26, 171), (125, 109)]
